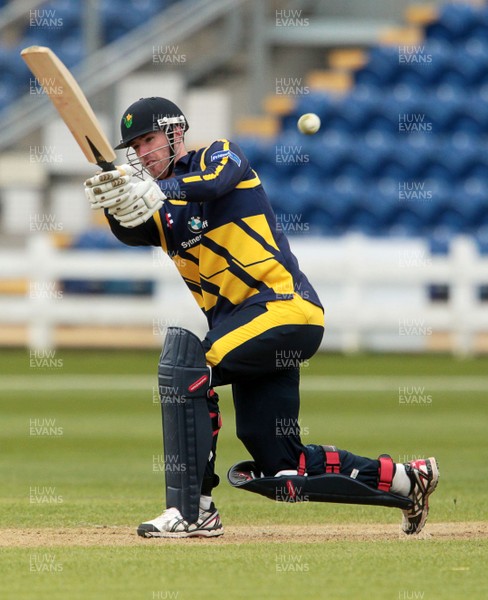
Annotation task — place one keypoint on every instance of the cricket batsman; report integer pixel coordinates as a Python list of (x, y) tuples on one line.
[(209, 212)]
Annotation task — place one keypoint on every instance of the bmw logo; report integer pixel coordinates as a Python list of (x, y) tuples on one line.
[(195, 224)]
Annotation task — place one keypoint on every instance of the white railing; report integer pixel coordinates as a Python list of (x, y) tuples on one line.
[(374, 292)]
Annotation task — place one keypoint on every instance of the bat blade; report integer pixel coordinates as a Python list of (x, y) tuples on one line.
[(71, 104)]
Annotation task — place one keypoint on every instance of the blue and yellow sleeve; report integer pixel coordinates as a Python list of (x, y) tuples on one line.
[(151, 233), (223, 168)]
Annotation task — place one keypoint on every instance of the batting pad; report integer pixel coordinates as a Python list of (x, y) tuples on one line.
[(317, 488), (184, 379)]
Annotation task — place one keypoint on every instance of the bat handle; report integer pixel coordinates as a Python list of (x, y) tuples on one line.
[(103, 164), (106, 166)]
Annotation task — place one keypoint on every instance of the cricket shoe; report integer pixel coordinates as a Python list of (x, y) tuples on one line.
[(171, 524), (424, 474)]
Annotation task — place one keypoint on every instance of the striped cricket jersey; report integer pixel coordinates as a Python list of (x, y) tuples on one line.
[(218, 227)]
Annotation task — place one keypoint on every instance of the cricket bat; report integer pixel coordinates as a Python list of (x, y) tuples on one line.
[(72, 105)]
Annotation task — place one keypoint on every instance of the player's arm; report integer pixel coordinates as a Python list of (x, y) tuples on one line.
[(223, 166), (145, 234)]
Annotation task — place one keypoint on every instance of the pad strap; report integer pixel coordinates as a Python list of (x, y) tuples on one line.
[(216, 422), (301, 464), (332, 460), (215, 417), (385, 472)]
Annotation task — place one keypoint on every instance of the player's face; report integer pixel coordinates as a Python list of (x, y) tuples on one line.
[(153, 151)]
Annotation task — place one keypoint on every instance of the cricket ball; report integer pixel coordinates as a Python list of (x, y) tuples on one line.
[(309, 123)]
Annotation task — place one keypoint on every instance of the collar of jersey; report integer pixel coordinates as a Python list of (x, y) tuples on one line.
[(182, 165)]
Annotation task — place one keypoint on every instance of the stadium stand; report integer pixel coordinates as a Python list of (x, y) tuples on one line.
[(57, 24), (397, 171), (403, 152)]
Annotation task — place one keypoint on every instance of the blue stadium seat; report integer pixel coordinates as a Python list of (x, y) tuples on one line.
[(53, 21), (272, 181), (351, 174), (70, 50), (470, 198), (329, 151), (119, 18), (5, 53), (256, 150), (468, 64), (297, 194), (365, 158), (481, 239), (394, 113), (115, 22), (321, 104), (477, 167), (8, 91), (439, 241), (17, 68), (441, 112), (428, 199), (99, 238), (380, 199), (331, 207), (455, 22), (472, 116), (381, 69), (145, 9), (478, 34), (403, 162), (424, 65), (452, 221), (102, 239), (321, 223), (70, 14), (371, 154), (350, 116), (405, 224)]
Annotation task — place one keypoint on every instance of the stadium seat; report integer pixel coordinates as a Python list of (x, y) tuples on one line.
[(472, 118), (329, 151), (70, 50), (321, 104), (470, 198), (481, 239), (102, 239), (455, 22), (406, 224), (336, 200), (381, 69), (349, 176), (415, 122), (8, 91), (439, 241), (256, 151), (425, 65), (380, 199), (273, 183), (70, 14), (429, 200)]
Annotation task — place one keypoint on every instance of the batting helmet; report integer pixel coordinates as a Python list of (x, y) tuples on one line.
[(149, 114)]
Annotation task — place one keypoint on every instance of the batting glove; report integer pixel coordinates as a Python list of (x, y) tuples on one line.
[(109, 188), (141, 201)]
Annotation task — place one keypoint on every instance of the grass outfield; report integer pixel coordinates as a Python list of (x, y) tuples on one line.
[(80, 463)]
